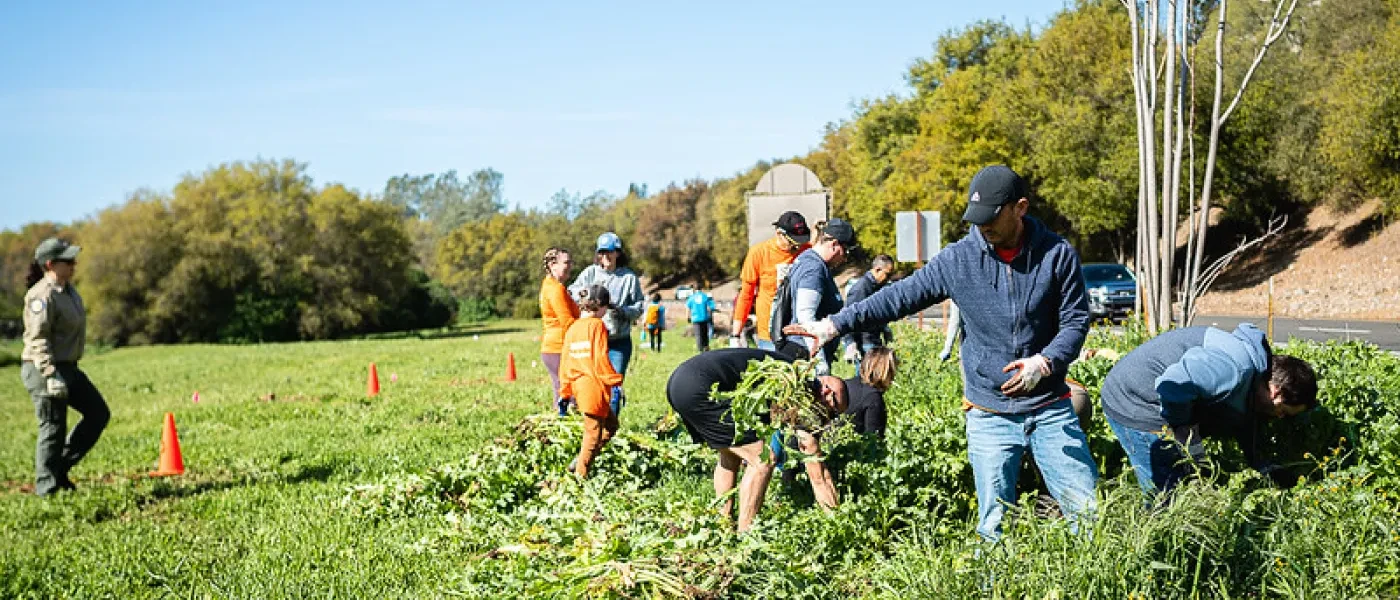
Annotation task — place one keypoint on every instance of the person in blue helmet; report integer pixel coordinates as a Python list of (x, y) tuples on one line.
[(610, 270)]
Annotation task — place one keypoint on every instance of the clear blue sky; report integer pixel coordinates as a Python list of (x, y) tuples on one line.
[(98, 100)]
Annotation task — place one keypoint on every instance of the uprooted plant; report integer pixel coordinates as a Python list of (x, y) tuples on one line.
[(781, 397)]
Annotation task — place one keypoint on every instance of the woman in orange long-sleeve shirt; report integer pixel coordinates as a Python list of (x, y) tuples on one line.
[(586, 375), (558, 311)]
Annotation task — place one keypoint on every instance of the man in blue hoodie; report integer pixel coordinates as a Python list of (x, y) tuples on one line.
[(1165, 396), (1025, 315)]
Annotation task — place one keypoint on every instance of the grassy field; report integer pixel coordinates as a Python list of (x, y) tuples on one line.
[(298, 485), (279, 434)]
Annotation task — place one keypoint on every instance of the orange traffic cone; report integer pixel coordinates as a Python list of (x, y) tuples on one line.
[(510, 366), (373, 380), (171, 462)]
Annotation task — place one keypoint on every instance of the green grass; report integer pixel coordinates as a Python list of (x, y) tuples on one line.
[(446, 486), (279, 435)]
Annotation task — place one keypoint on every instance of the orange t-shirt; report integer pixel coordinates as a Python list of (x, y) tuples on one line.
[(584, 371), (558, 311), (765, 265)]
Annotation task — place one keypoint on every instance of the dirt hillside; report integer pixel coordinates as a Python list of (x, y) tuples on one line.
[(1337, 265)]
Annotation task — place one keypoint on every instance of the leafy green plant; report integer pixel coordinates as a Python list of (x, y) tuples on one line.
[(779, 397)]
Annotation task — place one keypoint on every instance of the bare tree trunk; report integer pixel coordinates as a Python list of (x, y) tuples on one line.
[(1277, 26), (1209, 177), (1188, 305), (1171, 164), (1137, 74), (1178, 57), (1148, 118)]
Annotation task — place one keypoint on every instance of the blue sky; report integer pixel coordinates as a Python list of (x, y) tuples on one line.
[(97, 100)]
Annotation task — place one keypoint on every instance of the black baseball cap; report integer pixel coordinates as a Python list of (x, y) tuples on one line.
[(992, 188), (795, 226), (55, 249), (841, 231)]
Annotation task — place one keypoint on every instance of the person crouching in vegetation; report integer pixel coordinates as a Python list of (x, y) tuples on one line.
[(866, 408), (709, 421), (586, 376), (1164, 397)]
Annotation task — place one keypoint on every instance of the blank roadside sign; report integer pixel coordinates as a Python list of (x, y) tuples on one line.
[(924, 227)]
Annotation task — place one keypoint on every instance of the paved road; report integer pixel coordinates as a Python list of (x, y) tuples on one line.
[(1385, 334)]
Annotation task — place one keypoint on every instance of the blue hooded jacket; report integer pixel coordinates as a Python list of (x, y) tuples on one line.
[(1036, 304), (1186, 376)]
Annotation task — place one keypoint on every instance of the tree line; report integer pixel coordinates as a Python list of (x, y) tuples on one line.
[(257, 252)]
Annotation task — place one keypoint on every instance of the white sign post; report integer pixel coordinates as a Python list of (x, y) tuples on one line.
[(917, 237)]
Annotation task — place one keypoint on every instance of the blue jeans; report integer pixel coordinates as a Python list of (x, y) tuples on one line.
[(765, 345), (620, 354), (1158, 462), (995, 445)]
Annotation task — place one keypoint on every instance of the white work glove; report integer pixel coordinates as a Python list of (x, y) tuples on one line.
[(736, 342), (852, 353), (1189, 436), (56, 387), (1032, 370), (820, 332)]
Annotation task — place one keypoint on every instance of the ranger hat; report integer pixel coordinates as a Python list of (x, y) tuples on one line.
[(55, 249)]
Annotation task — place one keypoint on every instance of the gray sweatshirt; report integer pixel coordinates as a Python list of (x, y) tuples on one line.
[(626, 294)]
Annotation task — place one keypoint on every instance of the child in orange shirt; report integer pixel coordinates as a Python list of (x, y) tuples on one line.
[(586, 375)]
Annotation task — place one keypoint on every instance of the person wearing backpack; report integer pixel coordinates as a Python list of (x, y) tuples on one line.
[(655, 321), (810, 292)]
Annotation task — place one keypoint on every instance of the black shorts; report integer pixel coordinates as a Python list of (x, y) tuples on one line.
[(708, 421)]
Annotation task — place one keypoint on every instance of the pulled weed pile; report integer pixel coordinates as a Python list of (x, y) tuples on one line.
[(647, 525)]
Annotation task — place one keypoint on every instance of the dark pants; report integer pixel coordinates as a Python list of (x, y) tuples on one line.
[(655, 333), (702, 335), (53, 456)]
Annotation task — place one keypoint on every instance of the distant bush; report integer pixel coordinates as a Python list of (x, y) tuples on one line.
[(525, 308), (475, 310), (427, 305)]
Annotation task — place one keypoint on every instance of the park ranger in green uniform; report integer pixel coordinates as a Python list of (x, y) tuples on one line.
[(55, 328)]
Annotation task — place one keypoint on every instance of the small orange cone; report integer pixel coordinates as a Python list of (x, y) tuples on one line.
[(171, 462), (373, 380), (510, 366)]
